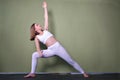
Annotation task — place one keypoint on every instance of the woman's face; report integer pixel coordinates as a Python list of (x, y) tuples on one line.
[(38, 27)]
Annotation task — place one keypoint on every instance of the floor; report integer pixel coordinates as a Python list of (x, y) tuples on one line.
[(61, 76)]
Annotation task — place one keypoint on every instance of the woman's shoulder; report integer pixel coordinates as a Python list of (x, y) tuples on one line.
[(36, 36)]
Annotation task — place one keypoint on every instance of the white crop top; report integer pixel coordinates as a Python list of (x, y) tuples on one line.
[(43, 38)]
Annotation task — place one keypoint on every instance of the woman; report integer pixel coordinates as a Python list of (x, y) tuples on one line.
[(53, 46)]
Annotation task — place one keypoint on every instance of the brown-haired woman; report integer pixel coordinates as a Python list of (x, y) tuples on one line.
[(53, 46)]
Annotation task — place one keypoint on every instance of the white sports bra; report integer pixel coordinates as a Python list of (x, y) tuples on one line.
[(43, 38)]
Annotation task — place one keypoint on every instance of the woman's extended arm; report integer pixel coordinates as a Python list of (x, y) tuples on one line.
[(38, 46), (45, 15)]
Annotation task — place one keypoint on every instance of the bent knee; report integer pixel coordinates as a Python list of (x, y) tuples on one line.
[(35, 55)]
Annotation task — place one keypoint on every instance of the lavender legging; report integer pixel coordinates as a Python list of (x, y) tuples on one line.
[(58, 50)]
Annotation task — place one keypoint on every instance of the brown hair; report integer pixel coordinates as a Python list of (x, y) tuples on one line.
[(33, 33)]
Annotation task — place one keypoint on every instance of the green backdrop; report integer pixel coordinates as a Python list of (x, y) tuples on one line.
[(88, 29)]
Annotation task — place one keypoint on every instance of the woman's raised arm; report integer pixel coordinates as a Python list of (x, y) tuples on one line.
[(45, 15)]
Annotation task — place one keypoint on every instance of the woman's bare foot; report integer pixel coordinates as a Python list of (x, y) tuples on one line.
[(85, 75), (30, 75)]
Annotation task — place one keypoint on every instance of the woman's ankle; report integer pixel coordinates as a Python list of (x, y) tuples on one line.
[(85, 75)]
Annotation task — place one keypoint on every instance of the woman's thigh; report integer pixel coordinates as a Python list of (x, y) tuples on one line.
[(48, 53)]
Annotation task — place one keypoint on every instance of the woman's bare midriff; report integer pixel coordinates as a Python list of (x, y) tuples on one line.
[(50, 41)]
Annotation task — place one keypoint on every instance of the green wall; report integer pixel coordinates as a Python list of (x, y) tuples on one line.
[(88, 29)]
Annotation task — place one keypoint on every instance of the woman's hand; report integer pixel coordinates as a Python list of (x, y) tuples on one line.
[(44, 4), (41, 53)]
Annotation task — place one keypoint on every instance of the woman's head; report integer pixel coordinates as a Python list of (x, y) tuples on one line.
[(34, 30)]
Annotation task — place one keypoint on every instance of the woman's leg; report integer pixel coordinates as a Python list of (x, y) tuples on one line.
[(35, 56), (64, 55), (46, 53)]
